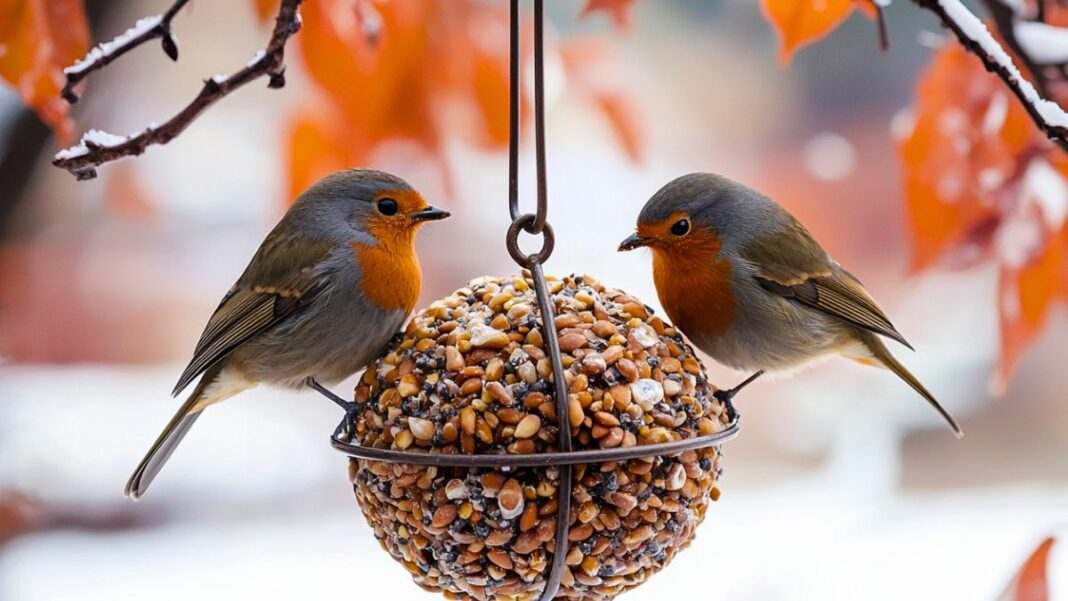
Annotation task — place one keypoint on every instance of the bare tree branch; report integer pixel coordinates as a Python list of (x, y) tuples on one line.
[(100, 56), (977, 39), (97, 148)]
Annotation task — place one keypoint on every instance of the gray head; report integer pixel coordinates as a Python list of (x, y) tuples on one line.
[(703, 209), (364, 202)]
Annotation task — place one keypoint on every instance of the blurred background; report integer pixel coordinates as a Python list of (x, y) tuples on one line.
[(843, 484)]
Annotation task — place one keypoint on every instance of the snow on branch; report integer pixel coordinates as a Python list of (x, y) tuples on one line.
[(148, 28), (97, 147), (974, 35)]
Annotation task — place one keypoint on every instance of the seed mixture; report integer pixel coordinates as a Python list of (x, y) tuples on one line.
[(470, 375)]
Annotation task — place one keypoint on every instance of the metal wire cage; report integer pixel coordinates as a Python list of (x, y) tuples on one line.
[(536, 224)]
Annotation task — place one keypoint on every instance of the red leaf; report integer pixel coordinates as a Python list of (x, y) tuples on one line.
[(1030, 583), (38, 38)]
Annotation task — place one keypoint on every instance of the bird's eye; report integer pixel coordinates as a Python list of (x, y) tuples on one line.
[(387, 206), (680, 227)]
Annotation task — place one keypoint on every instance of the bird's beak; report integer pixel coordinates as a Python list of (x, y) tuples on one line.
[(430, 214), (634, 241)]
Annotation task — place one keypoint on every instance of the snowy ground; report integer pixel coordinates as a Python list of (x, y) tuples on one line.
[(257, 506)]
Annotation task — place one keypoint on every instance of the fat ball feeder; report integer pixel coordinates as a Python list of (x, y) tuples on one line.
[(531, 437)]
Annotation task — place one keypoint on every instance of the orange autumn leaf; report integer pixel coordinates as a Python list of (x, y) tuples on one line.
[(1031, 583), (38, 38), (1028, 291), (618, 10), (802, 22), (966, 140), (982, 183), (427, 72)]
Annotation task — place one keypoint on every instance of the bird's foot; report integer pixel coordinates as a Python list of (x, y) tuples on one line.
[(726, 396), (345, 427), (348, 406)]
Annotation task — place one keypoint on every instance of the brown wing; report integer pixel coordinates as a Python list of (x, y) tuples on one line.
[(808, 276), (279, 281)]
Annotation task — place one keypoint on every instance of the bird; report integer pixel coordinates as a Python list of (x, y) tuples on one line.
[(325, 292), (750, 286)]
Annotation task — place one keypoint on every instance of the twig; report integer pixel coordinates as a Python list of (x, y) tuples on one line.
[(97, 148), (976, 38), (880, 20), (148, 28)]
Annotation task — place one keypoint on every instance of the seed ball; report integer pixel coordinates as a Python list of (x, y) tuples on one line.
[(469, 375)]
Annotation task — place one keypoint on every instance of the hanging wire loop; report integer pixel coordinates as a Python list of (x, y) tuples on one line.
[(525, 223)]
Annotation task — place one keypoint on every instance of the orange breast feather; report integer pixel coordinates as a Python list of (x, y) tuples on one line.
[(694, 286)]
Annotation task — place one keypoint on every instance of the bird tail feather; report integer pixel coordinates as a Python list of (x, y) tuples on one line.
[(883, 356), (169, 439)]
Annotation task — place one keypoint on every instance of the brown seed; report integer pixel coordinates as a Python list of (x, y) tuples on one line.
[(580, 383), (471, 386), (612, 354), (627, 369), (403, 440), (527, 372), (510, 499), (526, 543), (509, 415), (623, 501), (423, 429), (528, 426), (612, 439), (603, 328), (594, 364), (498, 538), (444, 516), (590, 565), (456, 489), (529, 518), (639, 535), (500, 558), (484, 336), (483, 431), (409, 386), (454, 361), (689, 489), (492, 483), (574, 556), (499, 392), (636, 310), (574, 411), (605, 419), (676, 477), (449, 432), (587, 512), (467, 420), (495, 369), (572, 341), (609, 519), (580, 533)]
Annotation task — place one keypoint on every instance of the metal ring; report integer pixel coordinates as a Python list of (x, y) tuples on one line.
[(524, 222), (505, 461)]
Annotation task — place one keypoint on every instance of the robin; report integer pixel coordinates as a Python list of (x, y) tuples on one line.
[(749, 286), (327, 289)]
